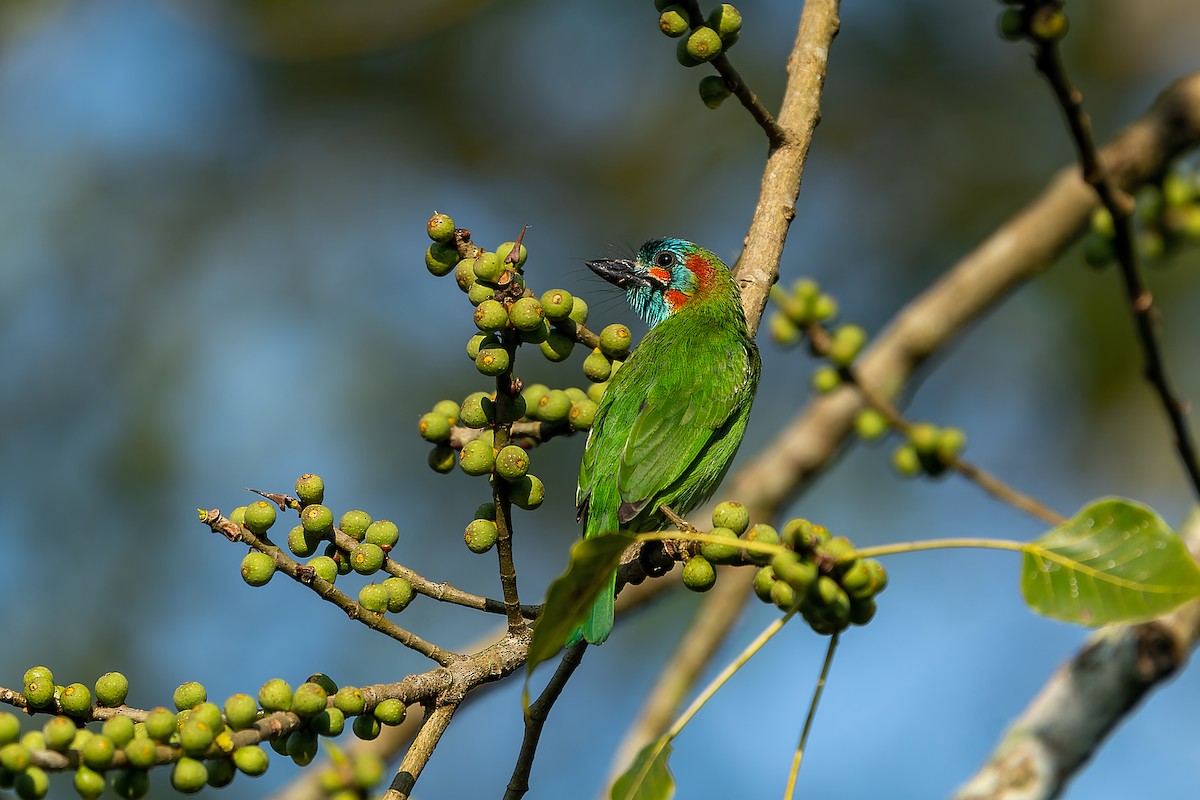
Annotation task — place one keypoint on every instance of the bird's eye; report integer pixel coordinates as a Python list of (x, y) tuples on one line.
[(664, 259)]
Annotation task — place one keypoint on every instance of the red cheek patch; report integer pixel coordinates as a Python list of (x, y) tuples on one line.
[(703, 271), (675, 298), (660, 275)]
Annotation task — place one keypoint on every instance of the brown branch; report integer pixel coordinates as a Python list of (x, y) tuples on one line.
[(1048, 58), (418, 755)]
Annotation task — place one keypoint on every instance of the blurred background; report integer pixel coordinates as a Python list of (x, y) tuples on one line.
[(211, 238)]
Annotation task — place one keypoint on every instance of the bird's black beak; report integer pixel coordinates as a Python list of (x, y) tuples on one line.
[(618, 271)]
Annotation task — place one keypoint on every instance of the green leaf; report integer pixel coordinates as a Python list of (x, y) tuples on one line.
[(648, 777), (1116, 561), (571, 595)]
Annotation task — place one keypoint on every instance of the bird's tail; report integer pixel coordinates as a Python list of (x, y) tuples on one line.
[(599, 623)]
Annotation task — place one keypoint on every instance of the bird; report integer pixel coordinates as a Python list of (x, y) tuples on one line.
[(673, 415)]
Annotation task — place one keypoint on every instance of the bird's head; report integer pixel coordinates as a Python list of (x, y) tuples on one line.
[(666, 276)]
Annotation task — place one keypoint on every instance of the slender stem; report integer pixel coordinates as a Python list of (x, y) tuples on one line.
[(535, 719), (812, 713), (506, 388), (1048, 59), (940, 544)]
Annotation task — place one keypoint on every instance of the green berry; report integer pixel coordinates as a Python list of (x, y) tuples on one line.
[(575, 394), (221, 772), (442, 459), (526, 314), (870, 424), (824, 308), (597, 366), (131, 784), (373, 597), (825, 379), (830, 602), (310, 489), (209, 714), (557, 304), (316, 519), (251, 760), (699, 574), (260, 516), (1102, 223), (950, 443), (189, 695), (448, 409), (383, 533), (325, 567), (554, 406), (32, 784), (111, 689), (783, 595), (480, 535), (488, 267), (119, 730), (441, 259), (924, 438), (512, 462), (161, 724), (1098, 251), (847, 342), (464, 275), (38, 674), (76, 700), (726, 21), (400, 594), (440, 228), (473, 412), (799, 573), (141, 752), (862, 611), (480, 292), (366, 727), (906, 461), (673, 21), (477, 457), (764, 579), (241, 711), (89, 784), (485, 511), (10, 728), (98, 752), (275, 695), (367, 558), (713, 91), (310, 698), (763, 534), (189, 775), (1048, 23), (481, 341), (504, 252), (302, 543), (783, 330), (839, 551), (329, 722), (583, 414), (535, 335), (1012, 24), (595, 392), (527, 492), (558, 345), (195, 737), (350, 700), (15, 757), (354, 523), (734, 516), (493, 361), (257, 568), (858, 580), (490, 315), (390, 711), (704, 44), (722, 553), (579, 311), (878, 574), (59, 731), (615, 340)]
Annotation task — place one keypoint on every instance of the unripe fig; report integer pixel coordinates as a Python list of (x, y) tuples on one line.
[(526, 314), (161, 724), (383, 532), (480, 535), (906, 461), (473, 412), (722, 553), (76, 700), (764, 579), (260, 516), (488, 267), (111, 689), (440, 259), (309, 699), (799, 573), (350, 701), (477, 457), (825, 379), (731, 515), (512, 462), (390, 711), (557, 304), (98, 752), (366, 727), (699, 574), (440, 228), (491, 315), (527, 492), (579, 312), (257, 568), (583, 413), (480, 292), (764, 534), (275, 695), (597, 366), (673, 21), (713, 91), (554, 406), (367, 558), (325, 567), (726, 21), (302, 543), (373, 597), (558, 345), (400, 594), (615, 340), (317, 519), (251, 760), (241, 710)]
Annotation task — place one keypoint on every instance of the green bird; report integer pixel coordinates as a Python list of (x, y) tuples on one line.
[(674, 414)]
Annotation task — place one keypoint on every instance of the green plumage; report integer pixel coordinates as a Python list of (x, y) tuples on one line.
[(673, 416)]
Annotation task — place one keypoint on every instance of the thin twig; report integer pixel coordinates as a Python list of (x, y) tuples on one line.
[(535, 719), (1048, 59), (812, 714)]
